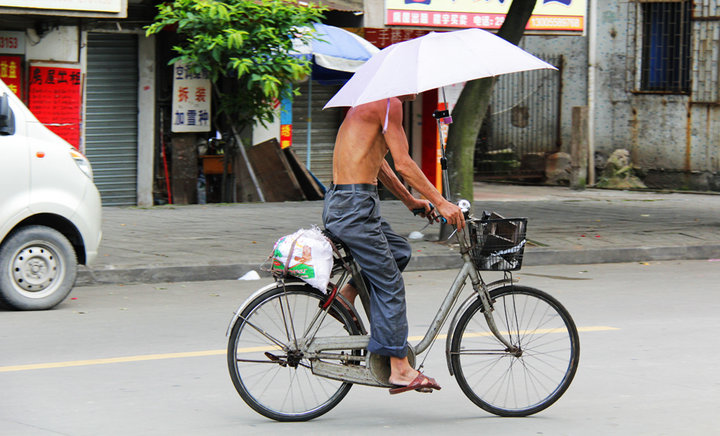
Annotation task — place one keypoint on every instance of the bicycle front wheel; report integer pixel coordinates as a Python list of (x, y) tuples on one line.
[(528, 379), (268, 370)]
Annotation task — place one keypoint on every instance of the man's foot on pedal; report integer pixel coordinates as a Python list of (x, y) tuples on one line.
[(421, 383)]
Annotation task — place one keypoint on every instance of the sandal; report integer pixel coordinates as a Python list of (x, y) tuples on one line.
[(422, 383)]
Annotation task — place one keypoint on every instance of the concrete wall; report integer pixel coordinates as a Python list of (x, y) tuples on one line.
[(147, 128), (673, 140), (61, 44), (574, 84)]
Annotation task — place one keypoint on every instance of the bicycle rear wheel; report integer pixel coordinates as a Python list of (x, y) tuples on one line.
[(517, 383), (269, 372)]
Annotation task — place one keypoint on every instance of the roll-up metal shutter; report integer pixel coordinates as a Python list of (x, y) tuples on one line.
[(111, 115), (324, 127)]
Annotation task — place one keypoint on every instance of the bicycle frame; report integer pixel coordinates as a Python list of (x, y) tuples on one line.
[(376, 370), (373, 374)]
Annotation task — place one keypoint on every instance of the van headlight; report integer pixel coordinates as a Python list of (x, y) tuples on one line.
[(82, 163)]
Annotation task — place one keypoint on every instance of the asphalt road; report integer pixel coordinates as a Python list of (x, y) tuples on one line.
[(150, 360)]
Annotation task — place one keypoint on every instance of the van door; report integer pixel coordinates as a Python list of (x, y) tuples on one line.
[(14, 170)]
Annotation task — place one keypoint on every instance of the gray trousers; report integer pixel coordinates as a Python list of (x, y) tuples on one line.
[(352, 213)]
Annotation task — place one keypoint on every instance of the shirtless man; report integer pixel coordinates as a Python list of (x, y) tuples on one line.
[(352, 213)]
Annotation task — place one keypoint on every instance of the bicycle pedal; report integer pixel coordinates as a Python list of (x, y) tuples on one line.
[(425, 390), (276, 359)]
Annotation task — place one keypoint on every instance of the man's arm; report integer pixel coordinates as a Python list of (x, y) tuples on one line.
[(399, 149), (390, 180)]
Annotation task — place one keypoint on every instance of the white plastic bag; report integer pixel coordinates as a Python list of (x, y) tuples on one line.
[(306, 254)]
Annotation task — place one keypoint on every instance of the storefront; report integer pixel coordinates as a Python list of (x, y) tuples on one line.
[(88, 80)]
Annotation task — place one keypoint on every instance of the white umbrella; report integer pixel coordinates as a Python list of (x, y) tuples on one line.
[(433, 61)]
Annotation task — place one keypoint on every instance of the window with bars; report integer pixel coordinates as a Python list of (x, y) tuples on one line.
[(665, 40)]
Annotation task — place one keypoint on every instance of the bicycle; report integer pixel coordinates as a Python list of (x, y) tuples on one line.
[(294, 352)]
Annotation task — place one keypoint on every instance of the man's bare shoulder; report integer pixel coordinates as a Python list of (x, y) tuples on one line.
[(367, 113)]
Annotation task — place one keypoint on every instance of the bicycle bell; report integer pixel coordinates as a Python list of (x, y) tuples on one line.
[(464, 205)]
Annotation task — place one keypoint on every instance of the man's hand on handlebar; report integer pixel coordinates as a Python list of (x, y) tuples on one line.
[(448, 213), (425, 209), (452, 213)]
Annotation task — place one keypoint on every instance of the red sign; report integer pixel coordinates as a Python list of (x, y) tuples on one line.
[(55, 99), (465, 20), (382, 38), (11, 73), (285, 135)]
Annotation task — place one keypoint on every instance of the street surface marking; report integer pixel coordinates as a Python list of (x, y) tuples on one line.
[(147, 357)]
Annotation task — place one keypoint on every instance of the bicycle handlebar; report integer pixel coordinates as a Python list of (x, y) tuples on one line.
[(432, 207), (463, 204)]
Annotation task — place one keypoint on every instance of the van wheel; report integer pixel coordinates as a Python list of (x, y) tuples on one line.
[(37, 269)]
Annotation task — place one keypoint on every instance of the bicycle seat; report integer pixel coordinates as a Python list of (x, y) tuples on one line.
[(334, 239)]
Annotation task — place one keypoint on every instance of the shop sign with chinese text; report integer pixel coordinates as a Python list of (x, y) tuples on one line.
[(548, 16), (11, 73), (191, 100), (55, 99)]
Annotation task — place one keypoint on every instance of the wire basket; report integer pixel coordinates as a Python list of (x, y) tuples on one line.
[(498, 243)]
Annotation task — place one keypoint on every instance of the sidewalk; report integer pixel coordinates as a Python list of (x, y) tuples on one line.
[(212, 242)]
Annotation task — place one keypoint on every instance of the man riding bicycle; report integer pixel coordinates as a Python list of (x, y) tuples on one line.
[(351, 213)]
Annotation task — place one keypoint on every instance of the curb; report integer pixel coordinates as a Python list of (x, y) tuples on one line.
[(537, 257)]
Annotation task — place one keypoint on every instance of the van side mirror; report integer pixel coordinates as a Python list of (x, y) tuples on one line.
[(7, 117)]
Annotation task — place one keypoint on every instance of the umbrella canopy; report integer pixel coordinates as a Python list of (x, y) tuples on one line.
[(433, 61), (334, 49)]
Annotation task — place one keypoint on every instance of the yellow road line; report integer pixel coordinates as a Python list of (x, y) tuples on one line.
[(147, 357), (110, 360)]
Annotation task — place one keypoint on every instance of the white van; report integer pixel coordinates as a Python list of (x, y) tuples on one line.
[(50, 210)]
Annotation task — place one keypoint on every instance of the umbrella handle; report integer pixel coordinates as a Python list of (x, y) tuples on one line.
[(440, 117), (443, 116)]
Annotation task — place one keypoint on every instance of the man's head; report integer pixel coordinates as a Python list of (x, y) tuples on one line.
[(407, 97)]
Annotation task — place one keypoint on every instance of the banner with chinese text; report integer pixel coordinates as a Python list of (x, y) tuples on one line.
[(11, 73), (191, 100), (55, 99), (548, 15)]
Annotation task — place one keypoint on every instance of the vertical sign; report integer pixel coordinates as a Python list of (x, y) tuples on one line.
[(191, 100), (11, 74), (286, 123), (55, 99)]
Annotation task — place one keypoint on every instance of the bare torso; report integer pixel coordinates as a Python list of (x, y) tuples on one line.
[(360, 146)]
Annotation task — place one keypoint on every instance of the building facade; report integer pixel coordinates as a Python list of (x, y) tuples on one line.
[(646, 70)]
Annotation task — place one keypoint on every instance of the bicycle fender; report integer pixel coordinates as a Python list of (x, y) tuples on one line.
[(251, 298), (456, 318)]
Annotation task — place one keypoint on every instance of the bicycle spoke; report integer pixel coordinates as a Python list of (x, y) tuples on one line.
[(481, 352), (265, 334), (285, 317)]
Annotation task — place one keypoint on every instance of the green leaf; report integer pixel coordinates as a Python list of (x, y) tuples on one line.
[(243, 45)]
